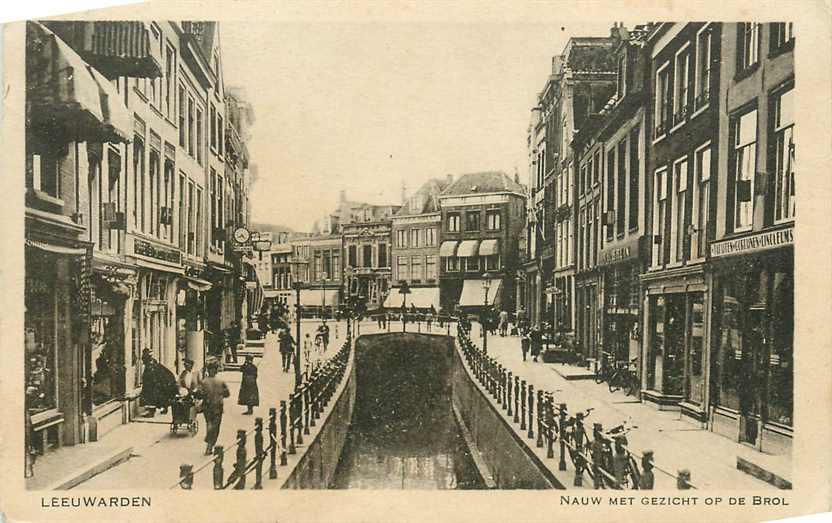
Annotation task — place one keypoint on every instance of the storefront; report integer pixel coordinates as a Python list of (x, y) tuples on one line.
[(587, 314), (621, 266), (753, 324), (675, 341)]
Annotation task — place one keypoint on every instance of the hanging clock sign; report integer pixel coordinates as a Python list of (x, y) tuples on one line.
[(241, 235)]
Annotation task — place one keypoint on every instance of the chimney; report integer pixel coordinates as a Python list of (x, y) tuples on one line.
[(449, 178)]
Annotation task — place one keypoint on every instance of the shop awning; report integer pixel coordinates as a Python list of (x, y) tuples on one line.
[(68, 96), (56, 249), (473, 294), (448, 248), (317, 297), (419, 297), (468, 248), (122, 48), (271, 294), (489, 247), (198, 284)]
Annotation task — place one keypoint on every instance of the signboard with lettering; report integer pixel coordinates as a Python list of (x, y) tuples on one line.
[(145, 248), (754, 243), (620, 252)]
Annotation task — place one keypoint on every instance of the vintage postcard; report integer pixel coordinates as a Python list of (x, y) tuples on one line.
[(545, 256)]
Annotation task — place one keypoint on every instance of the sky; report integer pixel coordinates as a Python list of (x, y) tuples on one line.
[(366, 106)]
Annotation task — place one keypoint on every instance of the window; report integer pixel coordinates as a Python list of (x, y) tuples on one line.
[(492, 219), (744, 165), (199, 135), (154, 191), (430, 237), (452, 264), (748, 46), (42, 172), (182, 235), (596, 227), (703, 67), (414, 237), (402, 269), (198, 222), (659, 217), (212, 115), (596, 167), (453, 222), (492, 262), (430, 267), (783, 158), (632, 216), (367, 255), (782, 36), (701, 201), (678, 232), (191, 222), (620, 209), (681, 91), (610, 192), (472, 263), (352, 255), (416, 267), (472, 221), (191, 126), (170, 64), (664, 103), (382, 255), (181, 116), (401, 238), (220, 136)]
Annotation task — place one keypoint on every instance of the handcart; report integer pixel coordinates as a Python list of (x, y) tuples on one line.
[(183, 414)]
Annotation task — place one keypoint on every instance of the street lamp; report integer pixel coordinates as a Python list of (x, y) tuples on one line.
[(323, 297), (404, 290), (297, 286), (486, 286)]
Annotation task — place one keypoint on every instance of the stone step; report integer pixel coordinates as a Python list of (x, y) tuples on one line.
[(763, 469)]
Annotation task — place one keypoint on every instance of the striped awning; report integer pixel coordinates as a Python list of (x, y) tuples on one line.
[(66, 96), (468, 248), (116, 48), (473, 293), (419, 297), (489, 247), (447, 249)]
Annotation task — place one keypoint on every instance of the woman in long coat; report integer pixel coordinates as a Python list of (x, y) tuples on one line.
[(249, 393), (158, 384)]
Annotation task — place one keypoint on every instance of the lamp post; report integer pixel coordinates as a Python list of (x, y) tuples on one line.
[(297, 285), (486, 286), (404, 290), (323, 297)]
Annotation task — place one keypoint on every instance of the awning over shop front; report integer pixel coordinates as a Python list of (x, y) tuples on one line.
[(489, 247), (67, 95), (419, 297), (56, 249), (448, 249), (468, 248), (473, 294), (122, 48), (198, 284), (317, 297)]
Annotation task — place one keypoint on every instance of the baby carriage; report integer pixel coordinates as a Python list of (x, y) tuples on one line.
[(183, 413)]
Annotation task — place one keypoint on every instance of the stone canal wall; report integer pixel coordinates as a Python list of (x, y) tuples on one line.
[(510, 462)]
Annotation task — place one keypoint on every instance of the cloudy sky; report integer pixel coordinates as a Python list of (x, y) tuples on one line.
[(366, 106)]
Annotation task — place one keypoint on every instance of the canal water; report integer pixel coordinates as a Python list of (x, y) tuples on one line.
[(404, 434)]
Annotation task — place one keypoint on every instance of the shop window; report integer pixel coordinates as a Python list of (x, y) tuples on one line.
[(744, 165), (452, 264), (748, 45), (472, 221), (106, 335), (783, 157), (402, 268), (40, 334), (416, 268), (780, 386), (667, 339), (694, 373), (731, 343)]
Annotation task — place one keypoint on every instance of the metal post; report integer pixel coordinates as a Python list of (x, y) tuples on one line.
[(258, 451), (240, 466), (523, 405), (550, 423), (683, 479), (282, 433), (482, 324), (508, 390), (219, 473), (297, 336), (186, 475), (540, 411), (306, 409), (562, 435), (298, 415), (578, 442), (596, 451), (516, 399), (292, 424), (531, 411), (646, 480), (273, 443)]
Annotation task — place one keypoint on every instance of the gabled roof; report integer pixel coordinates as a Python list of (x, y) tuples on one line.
[(429, 192), (483, 182)]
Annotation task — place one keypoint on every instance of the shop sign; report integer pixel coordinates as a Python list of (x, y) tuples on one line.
[(620, 253), (145, 248), (755, 243)]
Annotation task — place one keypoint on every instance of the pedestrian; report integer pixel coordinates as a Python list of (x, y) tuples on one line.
[(214, 391), (286, 343), (379, 321), (536, 342), (429, 320), (525, 341), (159, 385), (307, 352), (189, 379), (249, 393), (503, 322)]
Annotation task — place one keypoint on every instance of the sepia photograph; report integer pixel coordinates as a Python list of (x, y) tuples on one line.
[(408, 256)]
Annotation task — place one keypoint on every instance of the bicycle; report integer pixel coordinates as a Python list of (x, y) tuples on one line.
[(623, 377), (606, 371)]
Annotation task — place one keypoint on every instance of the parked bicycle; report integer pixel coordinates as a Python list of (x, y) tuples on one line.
[(625, 377)]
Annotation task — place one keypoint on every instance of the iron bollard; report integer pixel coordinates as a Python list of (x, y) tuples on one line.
[(282, 433), (240, 465), (258, 452), (550, 427), (516, 399), (531, 411), (186, 475), (540, 411), (297, 417), (523, 405), (219, 473), (562, 435), (620, 461), (596, 450), (683, 479), (291, 423), (273, 443), (509, 381), (646, 482), (578, 442), (306, 410)]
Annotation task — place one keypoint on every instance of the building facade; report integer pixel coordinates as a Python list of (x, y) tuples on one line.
[(366, 251), (483, 215)]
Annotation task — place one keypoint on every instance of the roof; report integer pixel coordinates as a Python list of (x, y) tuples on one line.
[(483, 182), (429, 191)]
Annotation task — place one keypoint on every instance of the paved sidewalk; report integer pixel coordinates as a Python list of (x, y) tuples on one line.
[(677, 443), (155, 454)]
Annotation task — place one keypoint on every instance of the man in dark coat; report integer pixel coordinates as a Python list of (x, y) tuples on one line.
[(214, 391), (285, 341), (158, 384), (249, 393)]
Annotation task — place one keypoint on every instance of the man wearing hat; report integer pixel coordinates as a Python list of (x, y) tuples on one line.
[(214, 391)]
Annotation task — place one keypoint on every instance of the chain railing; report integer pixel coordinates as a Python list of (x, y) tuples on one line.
[(285, 430), (604, 458)]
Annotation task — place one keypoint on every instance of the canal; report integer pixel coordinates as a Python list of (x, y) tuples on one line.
[(404, 434)]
